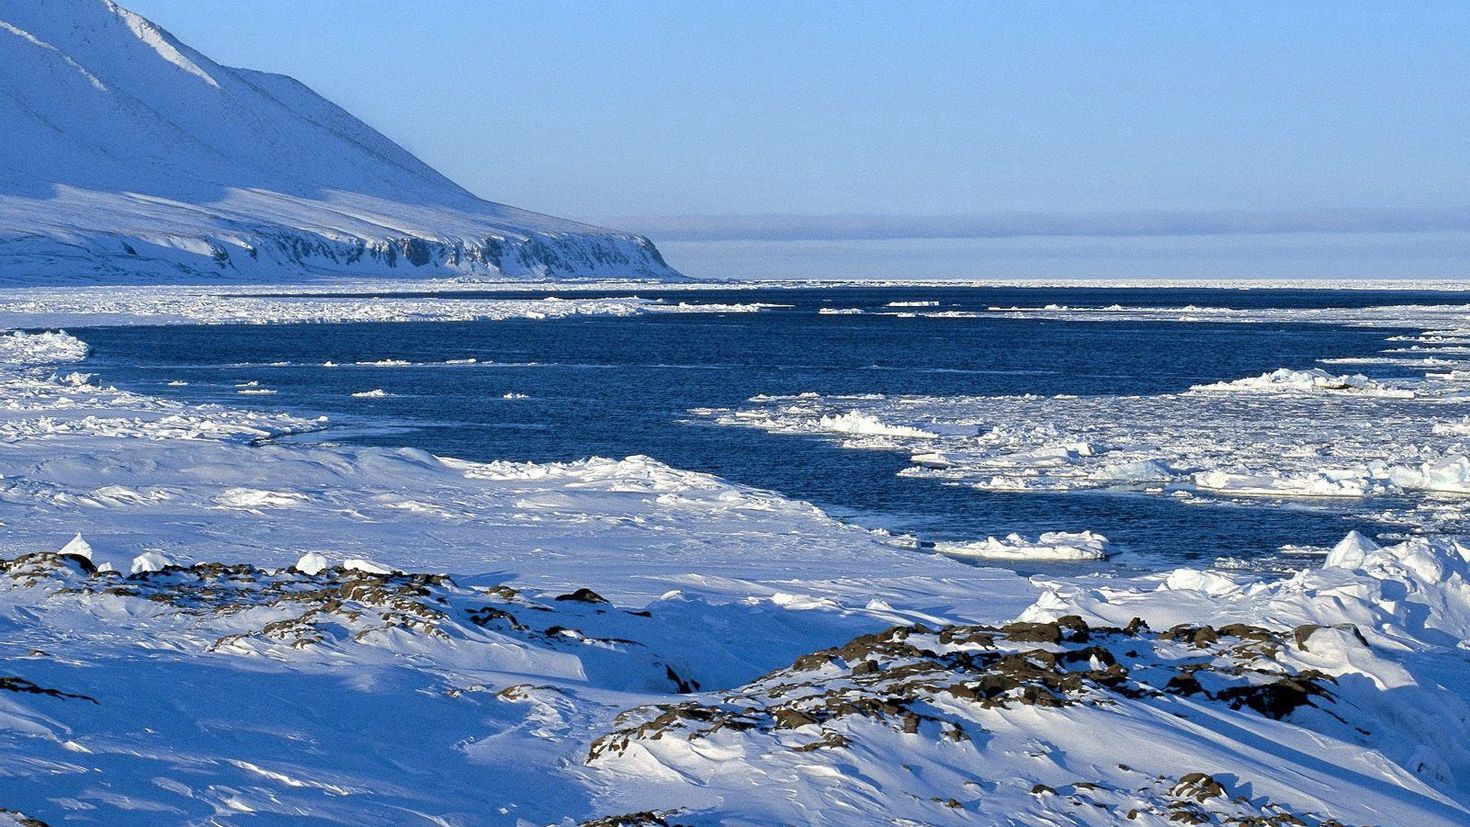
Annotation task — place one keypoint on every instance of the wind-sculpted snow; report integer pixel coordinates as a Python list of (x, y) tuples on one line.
[(1407, 606), (126, 156)]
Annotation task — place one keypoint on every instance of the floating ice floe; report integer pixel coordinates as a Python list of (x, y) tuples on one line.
[(1284, 434), (50, 347), (1326, 483), (245, 304), (1050, 545), (1314, 380), (860, 424)]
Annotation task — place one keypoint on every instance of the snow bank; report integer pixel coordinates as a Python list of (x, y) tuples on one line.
[(1413, 594)]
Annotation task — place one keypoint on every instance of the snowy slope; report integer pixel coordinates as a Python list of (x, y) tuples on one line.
[(124, 152)]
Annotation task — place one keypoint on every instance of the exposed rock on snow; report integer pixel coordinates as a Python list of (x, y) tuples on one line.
[(916, 708), (126, 155)]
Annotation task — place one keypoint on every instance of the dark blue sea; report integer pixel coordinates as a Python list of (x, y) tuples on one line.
[(620, 386)]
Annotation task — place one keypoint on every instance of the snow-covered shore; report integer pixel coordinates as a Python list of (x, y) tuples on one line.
[(618, 639)]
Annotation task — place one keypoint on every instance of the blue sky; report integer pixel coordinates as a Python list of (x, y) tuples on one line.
[(1106, 139)]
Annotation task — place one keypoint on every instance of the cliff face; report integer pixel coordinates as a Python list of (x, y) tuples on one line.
[(124, 155)]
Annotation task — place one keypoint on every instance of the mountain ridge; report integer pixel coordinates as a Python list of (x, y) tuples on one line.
[(127, 155)]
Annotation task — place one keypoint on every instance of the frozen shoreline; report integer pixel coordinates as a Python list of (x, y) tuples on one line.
[(540, 703)]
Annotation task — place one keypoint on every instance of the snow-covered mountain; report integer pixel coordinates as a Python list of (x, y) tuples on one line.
[(125, 154)]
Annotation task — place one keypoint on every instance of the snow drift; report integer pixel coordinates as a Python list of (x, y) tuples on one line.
[(127, 155)]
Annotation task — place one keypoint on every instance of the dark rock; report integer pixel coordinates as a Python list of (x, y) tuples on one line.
[(1022, 632), (583, 596), (21, 685)]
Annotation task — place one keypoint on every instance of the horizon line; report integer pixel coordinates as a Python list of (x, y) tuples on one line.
[(1017, 224)]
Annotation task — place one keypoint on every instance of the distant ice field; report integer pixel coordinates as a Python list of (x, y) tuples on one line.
[(912, 409)]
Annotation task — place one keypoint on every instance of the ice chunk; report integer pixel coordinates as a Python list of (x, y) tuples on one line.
[(1051, 545), (1314, 380), (311, 563), (77, 546), (52, 347), (368, 566), (1350, 552), (150, 561), (861, 424)]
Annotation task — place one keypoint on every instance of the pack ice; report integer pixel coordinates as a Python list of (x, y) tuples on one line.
[(1394, 448)]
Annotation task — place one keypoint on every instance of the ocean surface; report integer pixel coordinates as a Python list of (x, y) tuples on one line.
[(567, 389)]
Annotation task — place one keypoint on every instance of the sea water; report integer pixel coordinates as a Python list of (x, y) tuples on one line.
[(570, 388)]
